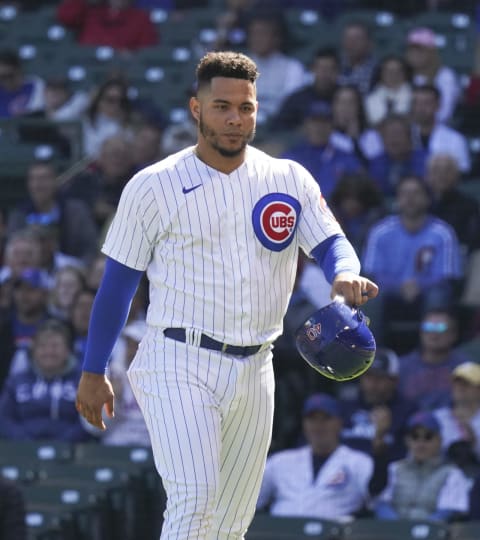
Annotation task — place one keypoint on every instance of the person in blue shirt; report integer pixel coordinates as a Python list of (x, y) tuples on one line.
[(39, 402), (316, 151), (416, 259), (399, 158)]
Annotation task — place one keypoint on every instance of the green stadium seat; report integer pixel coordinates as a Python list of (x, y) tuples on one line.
[(469, 530), (372, 529), (267, 527), (35, 451)]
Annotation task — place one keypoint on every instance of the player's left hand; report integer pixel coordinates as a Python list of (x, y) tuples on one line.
[(355, 289), (94, 392)]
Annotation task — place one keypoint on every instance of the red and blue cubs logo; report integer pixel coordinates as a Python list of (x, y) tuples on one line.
[(275, 218)]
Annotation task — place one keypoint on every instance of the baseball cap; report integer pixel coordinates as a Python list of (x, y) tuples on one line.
[(424, 37), (135, 330), (425, 420), (385, 362), (34, 277), (468, 371), (319, 109), (321, 403)]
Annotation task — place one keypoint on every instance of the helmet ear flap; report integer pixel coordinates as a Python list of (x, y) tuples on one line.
[(336, 342)]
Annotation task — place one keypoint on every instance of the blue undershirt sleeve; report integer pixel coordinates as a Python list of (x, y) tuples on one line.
[(335, 255), (109, 313)]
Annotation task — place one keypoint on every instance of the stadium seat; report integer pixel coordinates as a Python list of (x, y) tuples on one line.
[(35, 451), (372, 529), (469, 530), (267, 527)]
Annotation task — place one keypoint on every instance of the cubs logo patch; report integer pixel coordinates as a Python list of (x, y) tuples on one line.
[(275, 218)]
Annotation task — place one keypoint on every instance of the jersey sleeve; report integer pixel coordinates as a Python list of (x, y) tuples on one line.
[(135, 226), (317, 221)]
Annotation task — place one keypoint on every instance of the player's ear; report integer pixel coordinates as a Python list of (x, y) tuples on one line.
[(195, 108)]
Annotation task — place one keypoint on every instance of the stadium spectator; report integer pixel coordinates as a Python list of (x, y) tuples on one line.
[(474, 500), (415, 258), (374, 420), (318, 152), (357, 61), (357, 203), (460, 419), (22, 250), (351, 130), (67, 282), (95, 271), (146, 145), (442, 493), (109, 113), (398, 158), (99, 186), (39, 402), (19, 93), (44, 206), (427, 68), (114, 23), (281, 74), (79, 319), (426, 374), (391, 92), (461, 211), (435, 137), (324, 478), (294, 108)]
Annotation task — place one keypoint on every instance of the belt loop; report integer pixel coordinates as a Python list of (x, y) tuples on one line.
[(195, 337)]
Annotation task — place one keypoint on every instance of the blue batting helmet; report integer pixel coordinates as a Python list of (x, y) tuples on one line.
[(337, 342)]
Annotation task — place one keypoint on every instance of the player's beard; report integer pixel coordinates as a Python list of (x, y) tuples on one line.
[(212, 137)]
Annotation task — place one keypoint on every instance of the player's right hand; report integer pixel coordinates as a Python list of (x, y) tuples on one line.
[(94, 392)]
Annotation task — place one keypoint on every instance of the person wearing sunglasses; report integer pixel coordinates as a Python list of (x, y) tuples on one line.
[(425, 374), (423, 485)]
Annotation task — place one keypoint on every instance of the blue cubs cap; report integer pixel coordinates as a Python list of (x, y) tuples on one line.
[(321, 403), (425, 420), (34, 277)]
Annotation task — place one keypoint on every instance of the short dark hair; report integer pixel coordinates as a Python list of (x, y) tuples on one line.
[(10, 57), (429, 89), (326, 52), (228, 64)]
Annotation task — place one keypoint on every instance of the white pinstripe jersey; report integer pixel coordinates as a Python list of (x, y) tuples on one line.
[(220, 250)]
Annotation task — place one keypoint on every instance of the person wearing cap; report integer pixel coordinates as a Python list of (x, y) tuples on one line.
[(423, 485), (31, 289), (460, 420), (374, 421), (323, 479), (317, 151), (128, 425), (426, 373), (424, 59)]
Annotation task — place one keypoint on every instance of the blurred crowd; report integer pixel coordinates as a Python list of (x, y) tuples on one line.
[(387, 138)]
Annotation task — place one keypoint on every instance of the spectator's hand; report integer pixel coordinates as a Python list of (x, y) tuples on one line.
[(94, 392), (355, 289)]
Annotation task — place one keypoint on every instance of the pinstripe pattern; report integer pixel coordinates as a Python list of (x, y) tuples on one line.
[(194, 230), (208, 408), (204, 269)]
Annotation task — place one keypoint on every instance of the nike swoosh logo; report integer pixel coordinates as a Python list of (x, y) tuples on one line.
[(187, 190)]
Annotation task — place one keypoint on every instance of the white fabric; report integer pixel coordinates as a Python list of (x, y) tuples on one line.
[(340, 488), (206, 267)]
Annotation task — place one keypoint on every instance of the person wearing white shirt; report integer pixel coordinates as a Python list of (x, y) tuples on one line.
[(433, 136), (323, 479)]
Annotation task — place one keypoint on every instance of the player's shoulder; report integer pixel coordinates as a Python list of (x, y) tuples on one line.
[(168, 163)]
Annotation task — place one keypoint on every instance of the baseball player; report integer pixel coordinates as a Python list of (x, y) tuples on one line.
[(217, 227)]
